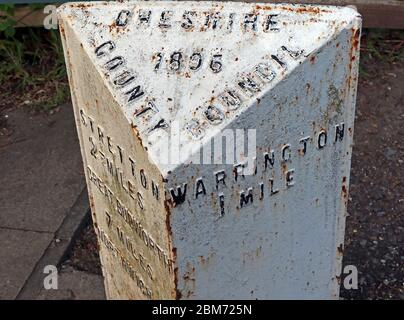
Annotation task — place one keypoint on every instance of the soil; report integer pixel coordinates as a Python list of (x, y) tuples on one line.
[(84, 255), (374, 240)]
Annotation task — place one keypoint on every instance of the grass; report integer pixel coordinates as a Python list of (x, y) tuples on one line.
[(380, 47), (32, 69)]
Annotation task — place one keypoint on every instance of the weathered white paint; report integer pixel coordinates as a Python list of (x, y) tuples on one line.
[(294, 69)]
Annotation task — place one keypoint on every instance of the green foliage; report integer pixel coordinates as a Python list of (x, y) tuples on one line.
[(12, 63), (386, 45), (380, 47), (31, 59), (7, 23)]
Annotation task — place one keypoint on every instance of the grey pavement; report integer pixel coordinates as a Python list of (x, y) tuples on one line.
[(41, 177), (20, 251), (75, 285)]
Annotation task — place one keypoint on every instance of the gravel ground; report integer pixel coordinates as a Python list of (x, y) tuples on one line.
[(375, 225), (374, 240)]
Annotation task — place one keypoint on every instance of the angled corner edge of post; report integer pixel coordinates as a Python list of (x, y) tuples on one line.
[(355, 27), (168, 205)]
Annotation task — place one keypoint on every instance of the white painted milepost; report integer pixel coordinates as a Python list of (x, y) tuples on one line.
[(158, 86)]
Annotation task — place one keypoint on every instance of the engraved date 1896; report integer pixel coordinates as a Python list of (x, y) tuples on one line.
[(177, 60)]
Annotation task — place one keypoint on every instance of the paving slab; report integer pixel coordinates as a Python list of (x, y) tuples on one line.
[(19, 252), (59, 247), (41, 172), (43, 199), (75, 285)]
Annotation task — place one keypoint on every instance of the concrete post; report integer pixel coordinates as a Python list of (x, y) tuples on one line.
[(157, 89)]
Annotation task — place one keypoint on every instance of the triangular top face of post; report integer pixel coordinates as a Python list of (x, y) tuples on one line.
[(197, 66)]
